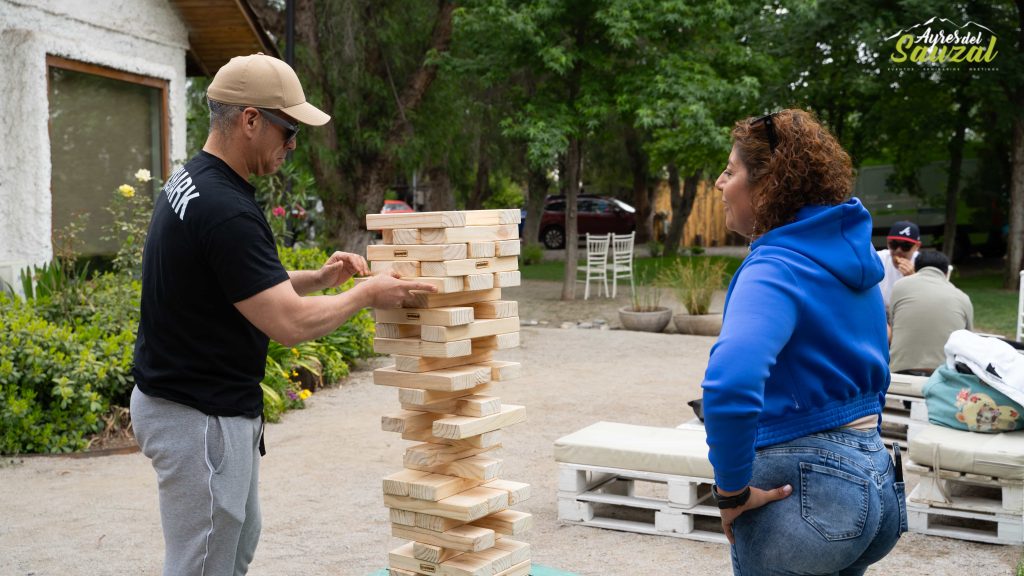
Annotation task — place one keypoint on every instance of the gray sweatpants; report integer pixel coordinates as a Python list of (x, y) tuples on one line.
[(207, 470)]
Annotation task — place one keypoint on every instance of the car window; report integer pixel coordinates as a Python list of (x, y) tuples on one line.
[(586, 206), (556, 206)]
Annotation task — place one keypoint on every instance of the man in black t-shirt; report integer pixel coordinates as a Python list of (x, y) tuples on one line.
[(213, 293)]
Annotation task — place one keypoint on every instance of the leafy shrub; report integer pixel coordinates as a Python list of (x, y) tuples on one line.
[(532, 254)]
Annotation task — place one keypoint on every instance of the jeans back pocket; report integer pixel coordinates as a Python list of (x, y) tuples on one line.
[(901, 504), (834, 502)]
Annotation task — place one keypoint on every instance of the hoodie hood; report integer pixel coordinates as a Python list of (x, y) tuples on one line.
[(837, 238)]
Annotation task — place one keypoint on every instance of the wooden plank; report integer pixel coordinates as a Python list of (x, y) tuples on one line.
[(427, 300), (397, 484), (472, 405), (448, 316), (457, 427), (420, 396), (517, 491), (476, 329), (435, 523), (502, 371), (405, 236), (415, 220), (521, 569), (487, 439), (417, 347), (403, 517), (431, 553), (403, 269), (462, 538), (419, 253), (407, 421), (387, 237), (499, 342), (480, 250), (498, 216), (508, 248), (505, 554), (443, 380), (507, 522), (507, 279), (495, 309), (443, 284), (419, 364), (385, 330), (436, 487), (425, 455), (468, 234), (467, 266), (478, 282), (472, 467), (467, 506)]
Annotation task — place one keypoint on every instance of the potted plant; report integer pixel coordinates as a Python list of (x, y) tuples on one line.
[(694, 283), (645, 313)]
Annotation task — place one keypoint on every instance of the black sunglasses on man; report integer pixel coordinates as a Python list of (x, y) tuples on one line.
[(290, 130)]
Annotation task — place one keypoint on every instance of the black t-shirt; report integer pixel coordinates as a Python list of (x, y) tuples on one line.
[(209, 246)]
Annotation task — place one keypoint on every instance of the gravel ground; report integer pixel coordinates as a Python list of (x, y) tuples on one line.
[(321, 478)]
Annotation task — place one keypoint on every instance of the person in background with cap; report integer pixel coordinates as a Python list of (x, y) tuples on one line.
[(903, 241), (213, 293)]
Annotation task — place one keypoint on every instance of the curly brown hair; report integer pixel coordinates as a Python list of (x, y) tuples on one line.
[(808, 167)]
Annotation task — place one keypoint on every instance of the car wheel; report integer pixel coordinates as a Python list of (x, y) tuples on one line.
[(554, 238)]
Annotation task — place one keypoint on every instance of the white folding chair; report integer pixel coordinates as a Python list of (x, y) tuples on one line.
[(597, 262), (622, 260), (1020, 309)]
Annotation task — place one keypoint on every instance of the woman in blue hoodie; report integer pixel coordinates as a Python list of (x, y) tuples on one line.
[(795, 385)]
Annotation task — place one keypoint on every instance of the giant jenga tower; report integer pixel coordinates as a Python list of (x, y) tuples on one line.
[(449, 501)]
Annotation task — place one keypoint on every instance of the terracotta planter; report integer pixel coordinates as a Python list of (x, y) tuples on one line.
[(654, 321), (698, 325)]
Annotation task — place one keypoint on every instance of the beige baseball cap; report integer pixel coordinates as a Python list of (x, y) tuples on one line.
[(264, 82)]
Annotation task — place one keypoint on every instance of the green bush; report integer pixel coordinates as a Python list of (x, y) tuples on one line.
[(532, 254)]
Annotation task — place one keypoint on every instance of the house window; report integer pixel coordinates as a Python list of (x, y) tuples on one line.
[(104, 126)]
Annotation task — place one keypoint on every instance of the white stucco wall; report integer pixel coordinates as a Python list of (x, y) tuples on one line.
[(140, 36)]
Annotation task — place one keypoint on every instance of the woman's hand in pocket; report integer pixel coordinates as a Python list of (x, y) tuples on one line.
[(757, 499)]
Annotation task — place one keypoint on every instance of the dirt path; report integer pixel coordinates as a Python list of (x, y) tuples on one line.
[(321, 478)]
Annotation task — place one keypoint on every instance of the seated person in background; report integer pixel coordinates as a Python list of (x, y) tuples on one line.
[(903, 241), (926, 308)]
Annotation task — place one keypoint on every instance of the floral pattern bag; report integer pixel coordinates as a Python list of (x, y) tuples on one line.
[(964, 402)]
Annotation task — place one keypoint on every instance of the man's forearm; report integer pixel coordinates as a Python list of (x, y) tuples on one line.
[(305, 281), (320, 315)]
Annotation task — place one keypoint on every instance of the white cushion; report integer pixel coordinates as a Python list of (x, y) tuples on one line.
[(907, 385), (999, 455), (643, 448)]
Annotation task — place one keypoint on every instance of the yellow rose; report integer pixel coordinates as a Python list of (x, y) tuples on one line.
[(143, 175), (126, 190), (305, 394)]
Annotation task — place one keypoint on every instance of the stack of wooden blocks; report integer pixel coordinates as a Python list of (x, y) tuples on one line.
[(449, 501)]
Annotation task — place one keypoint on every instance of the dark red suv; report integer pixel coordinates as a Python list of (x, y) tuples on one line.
[(595, 215)]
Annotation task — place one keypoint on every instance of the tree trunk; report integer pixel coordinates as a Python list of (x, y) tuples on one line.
[(1015, 240), (682, 206), (574, 161), (638, 164), (439, 197), (536, 191), (482, 189), (956, 154)]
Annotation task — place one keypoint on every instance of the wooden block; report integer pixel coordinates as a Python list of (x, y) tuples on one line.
[(421, 397), (407, 421), (508, 248), (465, 564), (478, 282), (385, 330), (436, 487), (490, 233), (405, 236), (485, 440), (473, 405), (472, 467), (450, 316), (476, 329), (397, 484), (481, 250), (462, 538), (502, 371), (435, 523), (415, 220), (507, 553), (419, 365), (498, 342), (417, 347), (431, 553), (443, 285), (467, 506), (498, 216), (402, 517), (427, 300), (427, 455), (403, 269), (495, 309), (507, 279), (443, 379), (517, 491), (457, 427), (467, 266), (400, 572), (387, 237), (507, 522), (521, 569), (420, 253)]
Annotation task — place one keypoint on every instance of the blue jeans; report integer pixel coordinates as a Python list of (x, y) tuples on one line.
[(846, 511)]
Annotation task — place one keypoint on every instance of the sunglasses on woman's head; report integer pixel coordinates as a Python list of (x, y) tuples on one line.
[(769, 128), (901, 245)]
